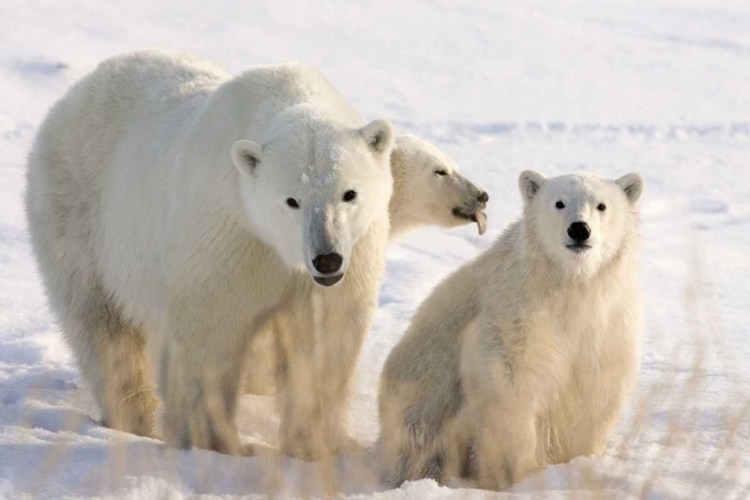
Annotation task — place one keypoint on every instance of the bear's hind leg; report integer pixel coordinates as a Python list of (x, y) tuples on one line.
[(64, 213), (111, 357)]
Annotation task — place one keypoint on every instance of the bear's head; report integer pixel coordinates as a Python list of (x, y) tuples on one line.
[(429, 189), (581, 220), (312, 189)]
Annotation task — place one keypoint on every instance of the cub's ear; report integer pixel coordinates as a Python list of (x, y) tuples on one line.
[(379, 136), (633, 185), (530, 182), (246, 156)]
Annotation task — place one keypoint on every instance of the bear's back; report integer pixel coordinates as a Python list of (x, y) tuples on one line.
[(272, 89), (156, 76), (124, 90)]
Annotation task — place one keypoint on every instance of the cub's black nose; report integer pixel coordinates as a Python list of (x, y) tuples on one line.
[(483, 197), (328, 263), (579, 231)]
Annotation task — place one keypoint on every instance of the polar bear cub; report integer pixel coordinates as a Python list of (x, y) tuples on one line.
[(526, 355), (174, 204), (428, 189)]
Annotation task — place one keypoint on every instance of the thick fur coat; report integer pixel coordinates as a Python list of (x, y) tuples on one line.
[(525, 356), (173, 205)]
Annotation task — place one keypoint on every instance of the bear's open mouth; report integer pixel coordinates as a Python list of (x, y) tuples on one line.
[(578, 247), (328, 280), (476, 216)]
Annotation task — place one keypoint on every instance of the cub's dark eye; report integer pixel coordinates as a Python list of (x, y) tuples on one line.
[(602, 207), (292, 203), (350, 195), (560, 205), (441, 172)]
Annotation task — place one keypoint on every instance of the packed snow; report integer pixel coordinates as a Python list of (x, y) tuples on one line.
[(658, 87)]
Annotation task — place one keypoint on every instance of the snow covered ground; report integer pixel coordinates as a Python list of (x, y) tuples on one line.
[(659, 87)]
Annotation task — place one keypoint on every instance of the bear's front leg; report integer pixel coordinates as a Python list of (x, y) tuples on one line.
[(506, 446), (591, 431), (320, 344), (319, 347), (608, 391), (199, 381), (501, 409)]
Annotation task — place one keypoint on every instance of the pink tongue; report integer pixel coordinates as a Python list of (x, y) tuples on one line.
[(481, 222)]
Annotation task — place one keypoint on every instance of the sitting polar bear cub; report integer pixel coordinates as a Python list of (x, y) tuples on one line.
[(172, 203), (526, 355), (428, 189)]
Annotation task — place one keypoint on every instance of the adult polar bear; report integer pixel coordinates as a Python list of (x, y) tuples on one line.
[(526, 355), (154, 215)]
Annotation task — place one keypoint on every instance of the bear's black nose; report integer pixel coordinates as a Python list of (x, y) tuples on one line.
[(579, 231), (328, 263), (483, 197)]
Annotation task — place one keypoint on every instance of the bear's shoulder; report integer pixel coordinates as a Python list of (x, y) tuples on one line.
[(152, 63)]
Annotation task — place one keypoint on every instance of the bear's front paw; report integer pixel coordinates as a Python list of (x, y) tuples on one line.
[(134, 414), (312, 446), (501, 474), (299, 446), (199, 430), (348, 444)]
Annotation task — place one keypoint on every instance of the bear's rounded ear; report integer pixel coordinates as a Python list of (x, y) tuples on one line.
[(529, 182), (633, 185), (379, 136), (246, 156)]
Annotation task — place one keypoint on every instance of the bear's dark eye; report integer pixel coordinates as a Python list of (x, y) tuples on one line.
[(292, 203), (602, 207), (350, 195), (560, 205), (441, 172)]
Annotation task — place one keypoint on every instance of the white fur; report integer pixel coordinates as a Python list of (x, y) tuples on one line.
[(156, 199), (525, 356), (427, 189)]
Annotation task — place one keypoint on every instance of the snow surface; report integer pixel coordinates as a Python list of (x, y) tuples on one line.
[(659, 87)]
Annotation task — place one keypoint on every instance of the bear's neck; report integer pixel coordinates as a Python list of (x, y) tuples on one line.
[(403, 214)]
